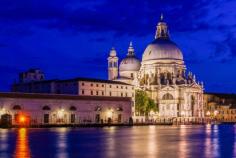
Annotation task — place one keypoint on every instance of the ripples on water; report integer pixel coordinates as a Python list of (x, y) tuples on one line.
[(147, 141)]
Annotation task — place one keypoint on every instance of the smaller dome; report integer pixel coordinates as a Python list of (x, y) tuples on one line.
[(130, 64)]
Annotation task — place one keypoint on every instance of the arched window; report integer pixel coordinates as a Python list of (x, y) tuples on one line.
[(16, 107), (72, 108), (167, 96), (46, 108)]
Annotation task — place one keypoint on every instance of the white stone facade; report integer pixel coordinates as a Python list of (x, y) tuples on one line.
[(162, 74), (40, 109)]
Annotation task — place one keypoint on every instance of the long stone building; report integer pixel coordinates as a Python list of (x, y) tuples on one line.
[(52, 109)]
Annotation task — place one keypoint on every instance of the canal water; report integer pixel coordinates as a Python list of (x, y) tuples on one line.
[(121, 142)]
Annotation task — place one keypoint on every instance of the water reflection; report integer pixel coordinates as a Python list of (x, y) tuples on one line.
[(22, 144), (3, 142), (152, 142), (62, 143), (211, 143), (183, 142), (148, 141)]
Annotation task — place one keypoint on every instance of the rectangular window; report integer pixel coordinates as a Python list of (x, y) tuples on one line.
[(96, 92), (119, 118), (91, 92), (82, 91), (82, 83), (97, 85), (91, 85), (121, 94), (103, 85), (110, 94), (46, 118), (110, 86), (126, 94), (110, 64), (72, 118), (102, 93), (132, 75), (97, 118)]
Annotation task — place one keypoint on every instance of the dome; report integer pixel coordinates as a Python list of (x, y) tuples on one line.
[(162, 49), (130, 64)]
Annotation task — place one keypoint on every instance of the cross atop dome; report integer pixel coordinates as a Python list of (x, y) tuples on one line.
[(161, 17)]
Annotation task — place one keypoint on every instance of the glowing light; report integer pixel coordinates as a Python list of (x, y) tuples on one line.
[(22, 119), (109, 113), (215, 112), (61, 113), (208, 113), (2, 111)]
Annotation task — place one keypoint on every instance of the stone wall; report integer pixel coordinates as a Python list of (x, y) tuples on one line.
[(64, 109)]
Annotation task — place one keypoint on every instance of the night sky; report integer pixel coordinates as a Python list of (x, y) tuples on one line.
[(72, 38)]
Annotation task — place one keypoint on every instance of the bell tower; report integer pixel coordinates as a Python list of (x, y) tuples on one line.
[(112, 65)]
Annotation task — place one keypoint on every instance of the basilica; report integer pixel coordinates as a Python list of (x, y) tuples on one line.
[(162, 73)]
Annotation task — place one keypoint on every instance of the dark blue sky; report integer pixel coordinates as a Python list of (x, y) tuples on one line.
[(71, 38)]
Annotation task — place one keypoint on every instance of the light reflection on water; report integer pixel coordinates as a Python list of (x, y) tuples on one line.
[(22, 144), (148, 141)]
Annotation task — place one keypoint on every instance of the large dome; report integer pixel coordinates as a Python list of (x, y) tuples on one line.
[(162, 49), (130, 64)]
